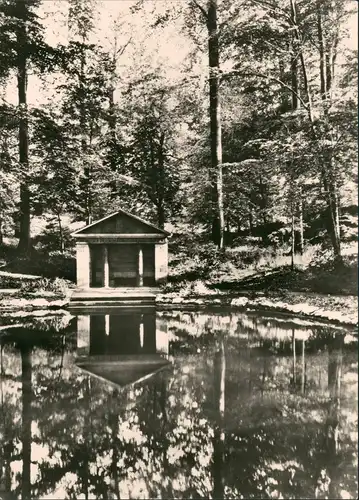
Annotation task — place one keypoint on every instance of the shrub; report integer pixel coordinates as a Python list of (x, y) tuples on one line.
[(58, 286), (47, 265)]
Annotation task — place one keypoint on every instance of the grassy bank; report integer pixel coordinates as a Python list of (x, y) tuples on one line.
[(254, 268)]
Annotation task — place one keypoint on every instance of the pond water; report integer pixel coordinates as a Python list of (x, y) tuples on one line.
[(144, 404)]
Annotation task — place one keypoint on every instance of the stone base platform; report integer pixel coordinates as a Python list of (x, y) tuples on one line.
[(109, 297)]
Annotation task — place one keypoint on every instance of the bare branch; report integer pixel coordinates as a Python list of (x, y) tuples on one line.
[(271, 8), (203, 11), (269, 77), (122, 49)]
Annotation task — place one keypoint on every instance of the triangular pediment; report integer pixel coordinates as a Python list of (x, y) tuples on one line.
[(125, 371), (121, 222)]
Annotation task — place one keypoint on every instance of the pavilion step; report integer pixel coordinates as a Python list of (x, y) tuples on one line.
[(115, 298), (91, 304)]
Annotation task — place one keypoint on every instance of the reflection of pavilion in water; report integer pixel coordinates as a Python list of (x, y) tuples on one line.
[(122, 347)]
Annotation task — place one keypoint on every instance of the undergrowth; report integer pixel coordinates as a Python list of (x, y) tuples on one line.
[(251, 266)]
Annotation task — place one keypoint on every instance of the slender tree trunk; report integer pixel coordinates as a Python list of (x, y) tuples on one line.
[(112, 128), (112, 113), (1, 232), (295, 106), (160, 184), (322, 58), (294, 77), (26, 373), (337, 209), (333, 216), (263, 200), (84, 149), (284, 92), (301, 223), (25, 240), (292, 239), (215, 118), (297, 46), (62, 245)]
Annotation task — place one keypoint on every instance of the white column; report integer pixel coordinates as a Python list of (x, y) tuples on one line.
[(82, 264), (107, 324), (161, 262), (140, 267), (142, 333), (106, 269)]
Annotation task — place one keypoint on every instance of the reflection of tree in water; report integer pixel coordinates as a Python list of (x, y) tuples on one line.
[(26, 386), (339, 470), (225, 423), (16, 433), (219, 369)]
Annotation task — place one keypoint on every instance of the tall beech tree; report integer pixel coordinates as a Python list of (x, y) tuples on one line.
[(22, 46), (21, 33), (81, 25), (210, 15)]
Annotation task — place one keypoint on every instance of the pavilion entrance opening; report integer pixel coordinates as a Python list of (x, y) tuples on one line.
[(122, 265)]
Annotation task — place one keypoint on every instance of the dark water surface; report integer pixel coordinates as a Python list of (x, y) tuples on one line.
[(177, 405)]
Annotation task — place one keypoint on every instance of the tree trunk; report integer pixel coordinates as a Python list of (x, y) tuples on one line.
[(161, 216), (263, 200), (84, 151), (160, 182), (62, 244), (301, 224), (284, 92), (333, 217), (24, 219), (1, 232), (322, 58), (292, 239), (294, 78), (111, 120), (215, 118), (26, 372), (112, 113)]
